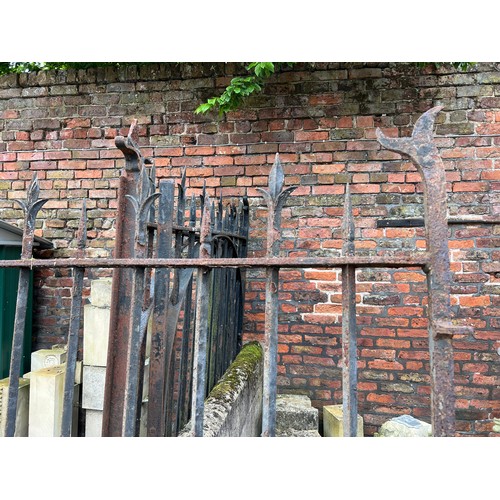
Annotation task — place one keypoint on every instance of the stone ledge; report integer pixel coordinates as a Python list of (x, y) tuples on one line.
[(295, 416), (240, 388)]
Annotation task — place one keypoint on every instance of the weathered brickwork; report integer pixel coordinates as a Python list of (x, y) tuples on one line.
[(322, 120)]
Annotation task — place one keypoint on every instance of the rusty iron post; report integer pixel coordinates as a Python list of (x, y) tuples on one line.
[(421, 150), (121, 299), (349, 333), (275, 199), (30, 209), (201, 325), (158, 358), (142, 205), (74, 328)]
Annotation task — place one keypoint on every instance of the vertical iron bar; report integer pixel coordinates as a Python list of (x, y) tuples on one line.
[(132, 379), (275, 199), (158, 360), (116, 366), (270, 354), (173, 309), (30, 208), (131, 410), (349, 334), (424, 154), (74, 328), (186, 331), (201, 328)]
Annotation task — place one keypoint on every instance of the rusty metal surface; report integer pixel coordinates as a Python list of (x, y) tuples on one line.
[(158, 359), (275, 199), (74, 328), (420, 149), (201, 327), (349, 333), (132, 402), (472, 220), (135, 295), (186, 354), (30, 209), (121, 299), (404, 259)]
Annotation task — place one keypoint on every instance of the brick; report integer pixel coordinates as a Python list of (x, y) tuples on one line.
[(461, 187), (311, 136), (474, 301)]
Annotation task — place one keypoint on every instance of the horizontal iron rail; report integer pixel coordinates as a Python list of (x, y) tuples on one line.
[(414, 260), (381, 223), (196, 230)]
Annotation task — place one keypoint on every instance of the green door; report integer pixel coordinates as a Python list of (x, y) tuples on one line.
[(8, 294)]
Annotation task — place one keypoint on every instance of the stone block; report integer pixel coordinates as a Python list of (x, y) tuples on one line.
[(93, 423), (22, 414), (295, 415), (100, 292), (405, 426), (93, 387), (45, 358), (95, 335), (46, 401), (333, 422)]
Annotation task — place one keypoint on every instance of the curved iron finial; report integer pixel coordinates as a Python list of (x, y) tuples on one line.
[(419, 147), (142, 204), (128, 146), (30, 207)]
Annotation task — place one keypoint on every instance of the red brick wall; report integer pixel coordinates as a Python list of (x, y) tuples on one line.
[(322, 120)]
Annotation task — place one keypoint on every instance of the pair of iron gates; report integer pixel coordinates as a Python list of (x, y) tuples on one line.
[(220, 246)]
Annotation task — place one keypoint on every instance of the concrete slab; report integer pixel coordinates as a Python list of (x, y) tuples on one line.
[(93, 387), (93, 423), (44, 358), (95, 335), (46, 401), (22, 415), (100, 292), (333, 422), (405, 426)]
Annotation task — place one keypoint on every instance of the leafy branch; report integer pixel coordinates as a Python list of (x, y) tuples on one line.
[(241, 87)]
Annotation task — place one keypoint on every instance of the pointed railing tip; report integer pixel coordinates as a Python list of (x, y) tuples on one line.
[(276, 178)]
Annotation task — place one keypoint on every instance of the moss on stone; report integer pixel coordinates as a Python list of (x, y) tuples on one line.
[(240, 370)]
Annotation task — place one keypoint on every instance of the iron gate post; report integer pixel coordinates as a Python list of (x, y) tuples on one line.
[(349, 333), (121, 300), (275, 199), (131, 411), (30, 208), (201, 326), (421, 150), (158, 357)]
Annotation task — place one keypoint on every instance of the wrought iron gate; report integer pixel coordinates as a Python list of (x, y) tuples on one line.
[(134, 256)]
